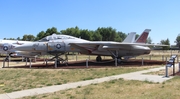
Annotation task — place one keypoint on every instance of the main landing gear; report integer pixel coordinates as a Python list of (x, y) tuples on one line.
[(98, 58), (116, 57), (59, 60)]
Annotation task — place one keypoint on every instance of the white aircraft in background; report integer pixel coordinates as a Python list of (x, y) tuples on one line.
[(7, 48), (58, 45)]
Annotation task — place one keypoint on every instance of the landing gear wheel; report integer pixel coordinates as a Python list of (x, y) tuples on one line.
[(119, 60), (98, 58)]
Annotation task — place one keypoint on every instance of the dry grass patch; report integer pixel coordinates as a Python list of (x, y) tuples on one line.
[(21, 79)]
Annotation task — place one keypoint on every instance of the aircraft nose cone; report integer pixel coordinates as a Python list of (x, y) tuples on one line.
[(25, 47)]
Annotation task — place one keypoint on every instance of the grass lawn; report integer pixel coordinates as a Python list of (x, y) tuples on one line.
[(120, 89), (21, 79)]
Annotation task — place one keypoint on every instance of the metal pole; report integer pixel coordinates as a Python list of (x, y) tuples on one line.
[(86, 63), (4, 63), (115, 61), (166, 71), (30, 63), (46, 62), (26, 61), (177, 58), (179, 66), (35, 59), (8, 60), (76, 57), (163, 58), (142, 61), (55, 63), (150, 57), (22, 58), (173, 67)]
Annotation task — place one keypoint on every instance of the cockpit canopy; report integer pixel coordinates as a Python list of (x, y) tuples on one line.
[(56, 37)]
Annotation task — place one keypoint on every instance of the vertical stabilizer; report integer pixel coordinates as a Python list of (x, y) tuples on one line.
[(143, 37), (130, 38)]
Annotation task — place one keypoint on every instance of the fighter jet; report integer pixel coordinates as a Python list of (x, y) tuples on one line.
[(58, 45), (7, 46)]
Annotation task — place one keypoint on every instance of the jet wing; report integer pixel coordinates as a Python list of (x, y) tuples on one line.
[(107, 45)]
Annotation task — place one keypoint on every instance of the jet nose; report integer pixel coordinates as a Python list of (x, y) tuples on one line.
[(25, 47)]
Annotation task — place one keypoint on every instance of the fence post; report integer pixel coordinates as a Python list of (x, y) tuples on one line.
[(179, 66), (178, 59), (162, 57), (55, 63), (166, 75), (30, 63), (26, 61), (76, 57), (86, 63), (3, 63)]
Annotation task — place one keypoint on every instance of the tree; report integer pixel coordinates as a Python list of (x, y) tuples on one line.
[(9, 38), (40, 35), (108, 34), (120, 36), (137, 35), (165, 42), (48, 32), (96, 36), (149, 40), (178, 41), (28, 38), (85, 34), (51, 31), (71, 31), (18, 38)]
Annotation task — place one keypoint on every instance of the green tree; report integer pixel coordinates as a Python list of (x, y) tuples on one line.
[(51, 31), (40, 35), (71, 31), (137, 35), (149, 40), (120, 36), (18, 38), (178, 41), (48, 32), (96, 36), (165, 42), (28, 38), (108, 34), (85, 34)]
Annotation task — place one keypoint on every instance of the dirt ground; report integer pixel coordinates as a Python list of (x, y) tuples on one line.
[(91, 64)]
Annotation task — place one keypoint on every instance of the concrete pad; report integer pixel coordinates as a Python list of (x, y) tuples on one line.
[(4, 96)]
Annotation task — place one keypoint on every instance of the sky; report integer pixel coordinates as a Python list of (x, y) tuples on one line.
[(20, 17)]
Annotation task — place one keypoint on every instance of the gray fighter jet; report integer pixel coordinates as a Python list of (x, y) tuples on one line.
[(60, 44)]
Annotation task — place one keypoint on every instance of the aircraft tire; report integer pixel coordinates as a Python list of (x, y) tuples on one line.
[(98, 58)]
